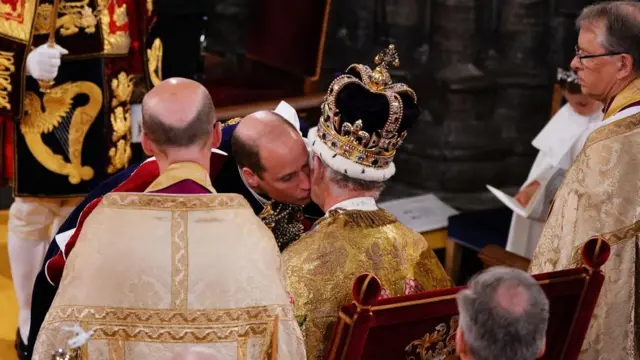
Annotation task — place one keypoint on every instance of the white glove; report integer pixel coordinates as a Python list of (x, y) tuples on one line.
[(43, 62)]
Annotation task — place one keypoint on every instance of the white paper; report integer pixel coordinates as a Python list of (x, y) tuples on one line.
[(420, 213), (63, 238), (136, 122), (560, 133), (511, 203), (543, 178), (514, 205), (289, 113)]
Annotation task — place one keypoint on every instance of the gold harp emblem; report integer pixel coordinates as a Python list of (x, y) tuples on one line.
[(57, 105)]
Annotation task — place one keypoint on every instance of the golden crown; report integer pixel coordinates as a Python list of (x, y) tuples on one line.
[(350, 140)]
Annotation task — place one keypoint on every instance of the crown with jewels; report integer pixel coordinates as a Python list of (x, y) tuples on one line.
[(377, 147)]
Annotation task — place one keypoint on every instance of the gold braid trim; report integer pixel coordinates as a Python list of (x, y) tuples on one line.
[(181, 202), (231, 122), (363, 219), (161, 317)]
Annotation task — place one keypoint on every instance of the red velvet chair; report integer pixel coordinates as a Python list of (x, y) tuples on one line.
[(285, 41), (423, 326)]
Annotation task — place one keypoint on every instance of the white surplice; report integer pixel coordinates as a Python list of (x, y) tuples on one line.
[(558, 146)]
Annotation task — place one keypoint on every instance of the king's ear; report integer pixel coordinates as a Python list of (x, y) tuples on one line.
[(317, 167)]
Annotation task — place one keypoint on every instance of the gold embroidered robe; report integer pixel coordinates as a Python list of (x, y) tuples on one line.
[(600, 196), (155, 274), (320, 267)]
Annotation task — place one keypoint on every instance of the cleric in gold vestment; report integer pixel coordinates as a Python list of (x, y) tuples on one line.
[(600, 195), (176, 265), (364, 120)]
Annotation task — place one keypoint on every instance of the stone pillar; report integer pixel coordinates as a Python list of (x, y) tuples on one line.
[(487, 98)]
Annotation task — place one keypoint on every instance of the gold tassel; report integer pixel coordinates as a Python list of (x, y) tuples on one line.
[(363, 219)]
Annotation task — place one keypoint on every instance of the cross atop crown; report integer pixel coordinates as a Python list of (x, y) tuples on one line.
[(388, 57), (380, 77)]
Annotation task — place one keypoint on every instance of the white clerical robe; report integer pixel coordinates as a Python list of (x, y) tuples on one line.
[(155, 274), (559, 144)]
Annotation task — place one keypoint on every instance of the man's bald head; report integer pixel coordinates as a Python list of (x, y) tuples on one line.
[(260, 128), (178, 113)]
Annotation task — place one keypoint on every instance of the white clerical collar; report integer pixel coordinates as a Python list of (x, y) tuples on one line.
[(364, 203), (215, 151), (260, 199)]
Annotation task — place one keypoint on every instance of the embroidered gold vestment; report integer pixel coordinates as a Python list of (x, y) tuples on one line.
[(600, 196), (320, 267), (153, 274)]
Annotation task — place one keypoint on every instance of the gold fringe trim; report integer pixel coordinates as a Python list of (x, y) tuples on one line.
[(363, 219), (231, 122)]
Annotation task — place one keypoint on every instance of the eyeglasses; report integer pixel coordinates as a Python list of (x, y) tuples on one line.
[(582, 57)]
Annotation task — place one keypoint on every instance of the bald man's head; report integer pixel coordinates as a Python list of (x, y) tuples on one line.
[(178, 113)]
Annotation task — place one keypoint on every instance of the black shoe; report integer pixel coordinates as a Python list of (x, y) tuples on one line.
[(20, 346)]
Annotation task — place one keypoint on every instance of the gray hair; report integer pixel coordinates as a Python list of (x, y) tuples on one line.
[(622, 26), (503, 315), (345, 182)]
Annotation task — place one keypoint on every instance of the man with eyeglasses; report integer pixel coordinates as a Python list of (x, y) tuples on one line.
[(600, 195)]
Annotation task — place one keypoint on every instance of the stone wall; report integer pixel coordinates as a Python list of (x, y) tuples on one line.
[(483, 71)]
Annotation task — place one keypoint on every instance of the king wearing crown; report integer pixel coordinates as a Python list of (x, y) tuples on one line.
[(365, 117)]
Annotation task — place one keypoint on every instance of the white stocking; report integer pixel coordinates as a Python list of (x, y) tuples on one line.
[(26, 258), (28, 239)]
